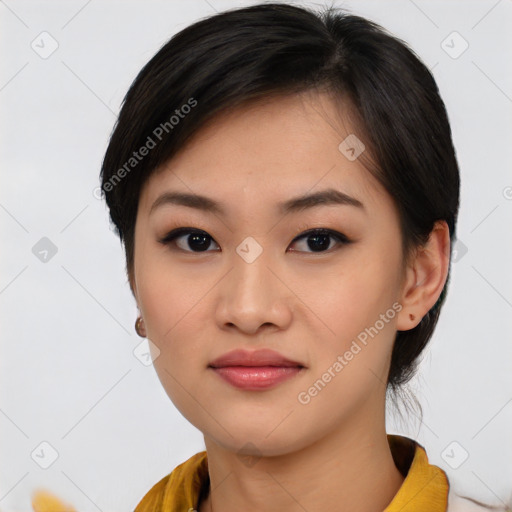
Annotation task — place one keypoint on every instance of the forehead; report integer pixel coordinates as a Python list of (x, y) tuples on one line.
[(268, 150)]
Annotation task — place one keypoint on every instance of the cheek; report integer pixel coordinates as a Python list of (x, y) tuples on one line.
[(355, 316), (352, 297), (160, 286), (170, 306), (171, 302)]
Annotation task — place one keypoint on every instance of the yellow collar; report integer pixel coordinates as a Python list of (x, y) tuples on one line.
[(425, 487)]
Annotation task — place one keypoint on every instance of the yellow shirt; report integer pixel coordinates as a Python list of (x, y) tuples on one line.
[(425, 488)]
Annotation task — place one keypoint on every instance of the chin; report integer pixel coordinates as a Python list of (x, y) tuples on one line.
[(248, 441)]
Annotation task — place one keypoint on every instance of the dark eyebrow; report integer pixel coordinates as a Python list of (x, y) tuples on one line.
[(325, 197)]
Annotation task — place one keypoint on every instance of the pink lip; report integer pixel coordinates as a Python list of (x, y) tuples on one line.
[(260, 369), (256, 377)]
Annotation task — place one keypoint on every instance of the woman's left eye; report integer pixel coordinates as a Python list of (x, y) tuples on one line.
[(318, 240)]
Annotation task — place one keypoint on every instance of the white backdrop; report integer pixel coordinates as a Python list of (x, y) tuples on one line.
[(68, 374)]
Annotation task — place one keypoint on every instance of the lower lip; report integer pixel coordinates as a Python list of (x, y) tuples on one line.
[(256, 377)]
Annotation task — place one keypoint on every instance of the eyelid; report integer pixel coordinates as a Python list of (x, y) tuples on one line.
[(306, 229), (175, 233)]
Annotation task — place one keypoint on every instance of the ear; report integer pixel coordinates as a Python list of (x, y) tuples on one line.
[(425, 277)]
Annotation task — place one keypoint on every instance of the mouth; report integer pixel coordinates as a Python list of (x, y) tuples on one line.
[(256, 370)]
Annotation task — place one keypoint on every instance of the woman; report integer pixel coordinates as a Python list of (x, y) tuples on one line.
[(286, 189)]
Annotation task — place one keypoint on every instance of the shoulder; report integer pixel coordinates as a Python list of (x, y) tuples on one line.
[(153, 499), (181, 485), (457, 503)]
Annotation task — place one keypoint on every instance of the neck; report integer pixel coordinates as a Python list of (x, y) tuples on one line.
[(346, 470)]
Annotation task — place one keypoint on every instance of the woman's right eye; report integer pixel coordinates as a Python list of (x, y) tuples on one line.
[(188, 239)]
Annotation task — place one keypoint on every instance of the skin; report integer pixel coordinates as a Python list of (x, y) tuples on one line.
[(307, 305)]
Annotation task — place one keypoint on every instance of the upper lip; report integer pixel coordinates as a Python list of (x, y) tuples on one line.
[(262, 357)]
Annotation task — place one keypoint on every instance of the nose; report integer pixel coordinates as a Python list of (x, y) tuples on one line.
[(252, 297)]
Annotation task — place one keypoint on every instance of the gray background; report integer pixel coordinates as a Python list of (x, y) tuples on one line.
[(68, 372)]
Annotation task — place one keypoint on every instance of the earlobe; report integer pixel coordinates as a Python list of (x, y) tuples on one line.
[(409, 317), (425, 278)]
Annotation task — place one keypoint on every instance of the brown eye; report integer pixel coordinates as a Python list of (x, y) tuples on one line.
[(188, 239), (319, 240)]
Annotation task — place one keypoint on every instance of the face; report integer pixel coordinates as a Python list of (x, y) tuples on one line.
[(250, 276)]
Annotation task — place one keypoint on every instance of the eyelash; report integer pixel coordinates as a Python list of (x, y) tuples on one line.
[(340, 238)]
